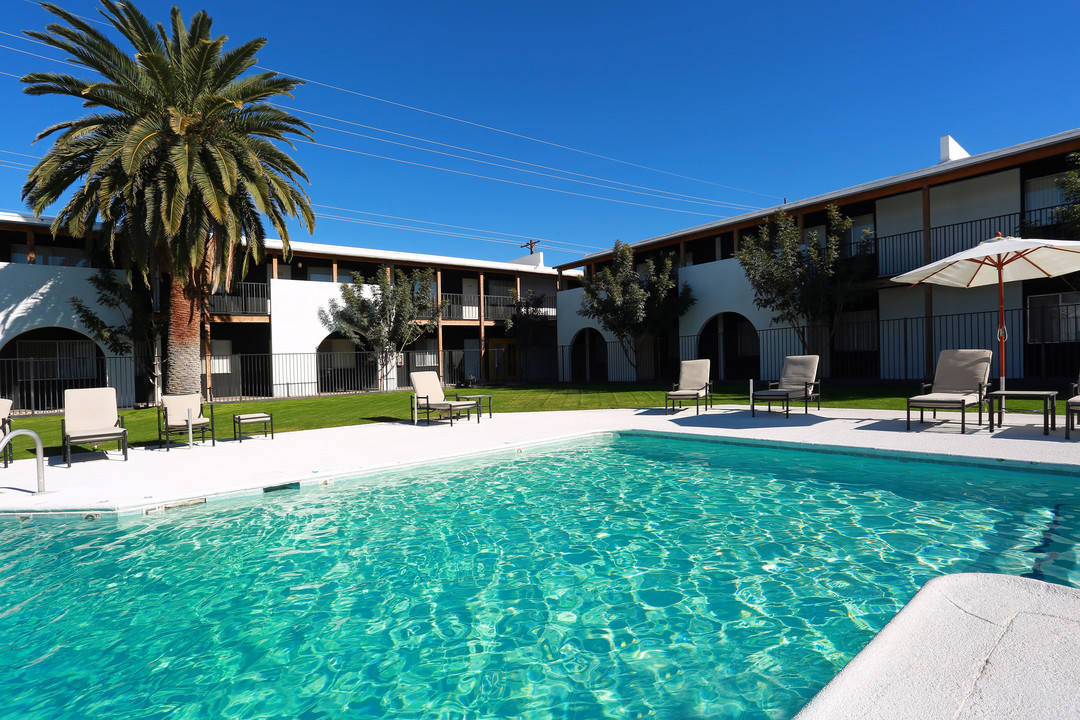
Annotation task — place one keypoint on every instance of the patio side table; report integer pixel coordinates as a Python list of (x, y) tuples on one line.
[(1048, 397)]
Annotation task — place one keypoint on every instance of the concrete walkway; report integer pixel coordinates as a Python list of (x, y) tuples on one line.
[(967, 646), (154, 480)]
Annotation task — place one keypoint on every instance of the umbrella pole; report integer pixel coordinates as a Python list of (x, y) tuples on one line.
[(1001, 330)]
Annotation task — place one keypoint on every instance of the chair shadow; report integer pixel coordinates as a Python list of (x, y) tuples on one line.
[(944, 425), (741, 419)]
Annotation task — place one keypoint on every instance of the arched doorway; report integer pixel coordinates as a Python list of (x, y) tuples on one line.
[(588, 357), (343, 368), (37, 366), (730, 341)]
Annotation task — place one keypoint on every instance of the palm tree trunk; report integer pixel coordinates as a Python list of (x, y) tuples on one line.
[(183, 341)]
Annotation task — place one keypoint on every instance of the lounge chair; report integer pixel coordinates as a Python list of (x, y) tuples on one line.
[(173, 418), (798, 381), (693, 385), (429, 397), (90, 417), (8, 453), (1072, 408), (960, 381)]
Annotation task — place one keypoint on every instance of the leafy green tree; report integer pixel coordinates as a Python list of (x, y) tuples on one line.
[(629, 304), (175, 164), (804, 282), (1069, 215), (383, 316)]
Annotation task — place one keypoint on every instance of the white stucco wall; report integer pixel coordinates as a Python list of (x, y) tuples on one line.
[(898, 214), (980, 197), (37, 296), (295, 331), (570, 323), (719, 287)]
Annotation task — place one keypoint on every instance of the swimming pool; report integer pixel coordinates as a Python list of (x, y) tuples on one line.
[(619, 577)]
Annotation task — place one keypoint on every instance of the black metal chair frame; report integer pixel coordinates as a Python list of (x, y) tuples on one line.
[(812, 391), (959, 404), (707, 397), (423, 405), (69, 440), (165, 432)]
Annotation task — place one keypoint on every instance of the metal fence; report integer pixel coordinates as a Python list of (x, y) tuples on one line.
[(1043, 347)]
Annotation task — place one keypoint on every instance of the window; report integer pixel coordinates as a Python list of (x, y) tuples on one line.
[(221, 357), (1054, 318), (319, 273), (45, 255), (1043, 192), (852, 238)]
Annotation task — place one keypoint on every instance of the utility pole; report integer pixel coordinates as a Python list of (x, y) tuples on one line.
[(531, 245)]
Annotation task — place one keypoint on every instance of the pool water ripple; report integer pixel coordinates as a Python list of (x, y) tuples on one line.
[(627, 577)]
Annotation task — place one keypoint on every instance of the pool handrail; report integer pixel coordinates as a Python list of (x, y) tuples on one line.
[(38, 449)]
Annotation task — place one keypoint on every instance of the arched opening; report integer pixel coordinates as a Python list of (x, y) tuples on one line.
[(588, 357), (343, 368), (730, 341), (37, 366)]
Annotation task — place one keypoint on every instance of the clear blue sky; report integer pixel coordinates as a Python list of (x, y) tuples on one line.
[(754, 101)]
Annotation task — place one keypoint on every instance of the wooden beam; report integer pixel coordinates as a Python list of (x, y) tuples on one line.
[(439, 321)]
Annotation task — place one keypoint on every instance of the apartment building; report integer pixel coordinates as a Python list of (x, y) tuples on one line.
[(916, 218), (266, 339)]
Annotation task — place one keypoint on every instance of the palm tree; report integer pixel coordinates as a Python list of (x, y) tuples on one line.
[(174, 169)]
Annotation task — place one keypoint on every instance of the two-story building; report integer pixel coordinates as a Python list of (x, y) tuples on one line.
[(266, 339), (896, 332)]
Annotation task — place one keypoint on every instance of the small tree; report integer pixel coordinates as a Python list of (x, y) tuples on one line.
[(383, 316), (1069, 215), (803, 282), (137, 335), (526, 322), (629, 304)]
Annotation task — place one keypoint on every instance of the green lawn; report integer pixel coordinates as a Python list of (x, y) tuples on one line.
[(309, 413)]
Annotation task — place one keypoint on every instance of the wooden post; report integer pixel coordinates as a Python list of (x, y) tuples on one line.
[(682, 253), (483, 345), (333, 269), (273, 267), (928, 290), (438, 320), (31, 248)]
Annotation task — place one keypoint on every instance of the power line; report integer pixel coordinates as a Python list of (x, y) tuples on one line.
[(516, 169), (508, 132), (674, 195), (456, 227), (503, 180)]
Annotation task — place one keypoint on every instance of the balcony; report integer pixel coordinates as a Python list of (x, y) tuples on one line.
[(902, 252), (247, 299), (467, 307)]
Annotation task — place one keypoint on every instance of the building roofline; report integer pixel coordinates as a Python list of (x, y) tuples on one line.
[(945, 168), (344, 251)]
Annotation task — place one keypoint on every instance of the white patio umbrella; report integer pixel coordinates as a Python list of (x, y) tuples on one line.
[(999, 260)]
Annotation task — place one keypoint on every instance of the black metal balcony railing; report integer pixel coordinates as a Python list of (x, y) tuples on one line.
[(248, 299)]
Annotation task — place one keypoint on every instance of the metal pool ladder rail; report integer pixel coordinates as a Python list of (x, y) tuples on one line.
[(37, 448)]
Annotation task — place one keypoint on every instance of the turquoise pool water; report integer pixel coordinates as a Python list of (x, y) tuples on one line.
[(617, 577)]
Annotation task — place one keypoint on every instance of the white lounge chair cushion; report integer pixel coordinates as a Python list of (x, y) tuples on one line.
[(961, 371), (88, 410), (798, 370), (176, 409), (686, 394), (451, 405), (779, 394), (89, 434), (938, 399)]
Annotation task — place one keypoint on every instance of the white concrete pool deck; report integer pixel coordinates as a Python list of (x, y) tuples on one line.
[(984, 646)]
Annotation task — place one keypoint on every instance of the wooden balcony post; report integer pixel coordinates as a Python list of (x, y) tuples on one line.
[(438, 320), (928, 288), (480, 313)]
